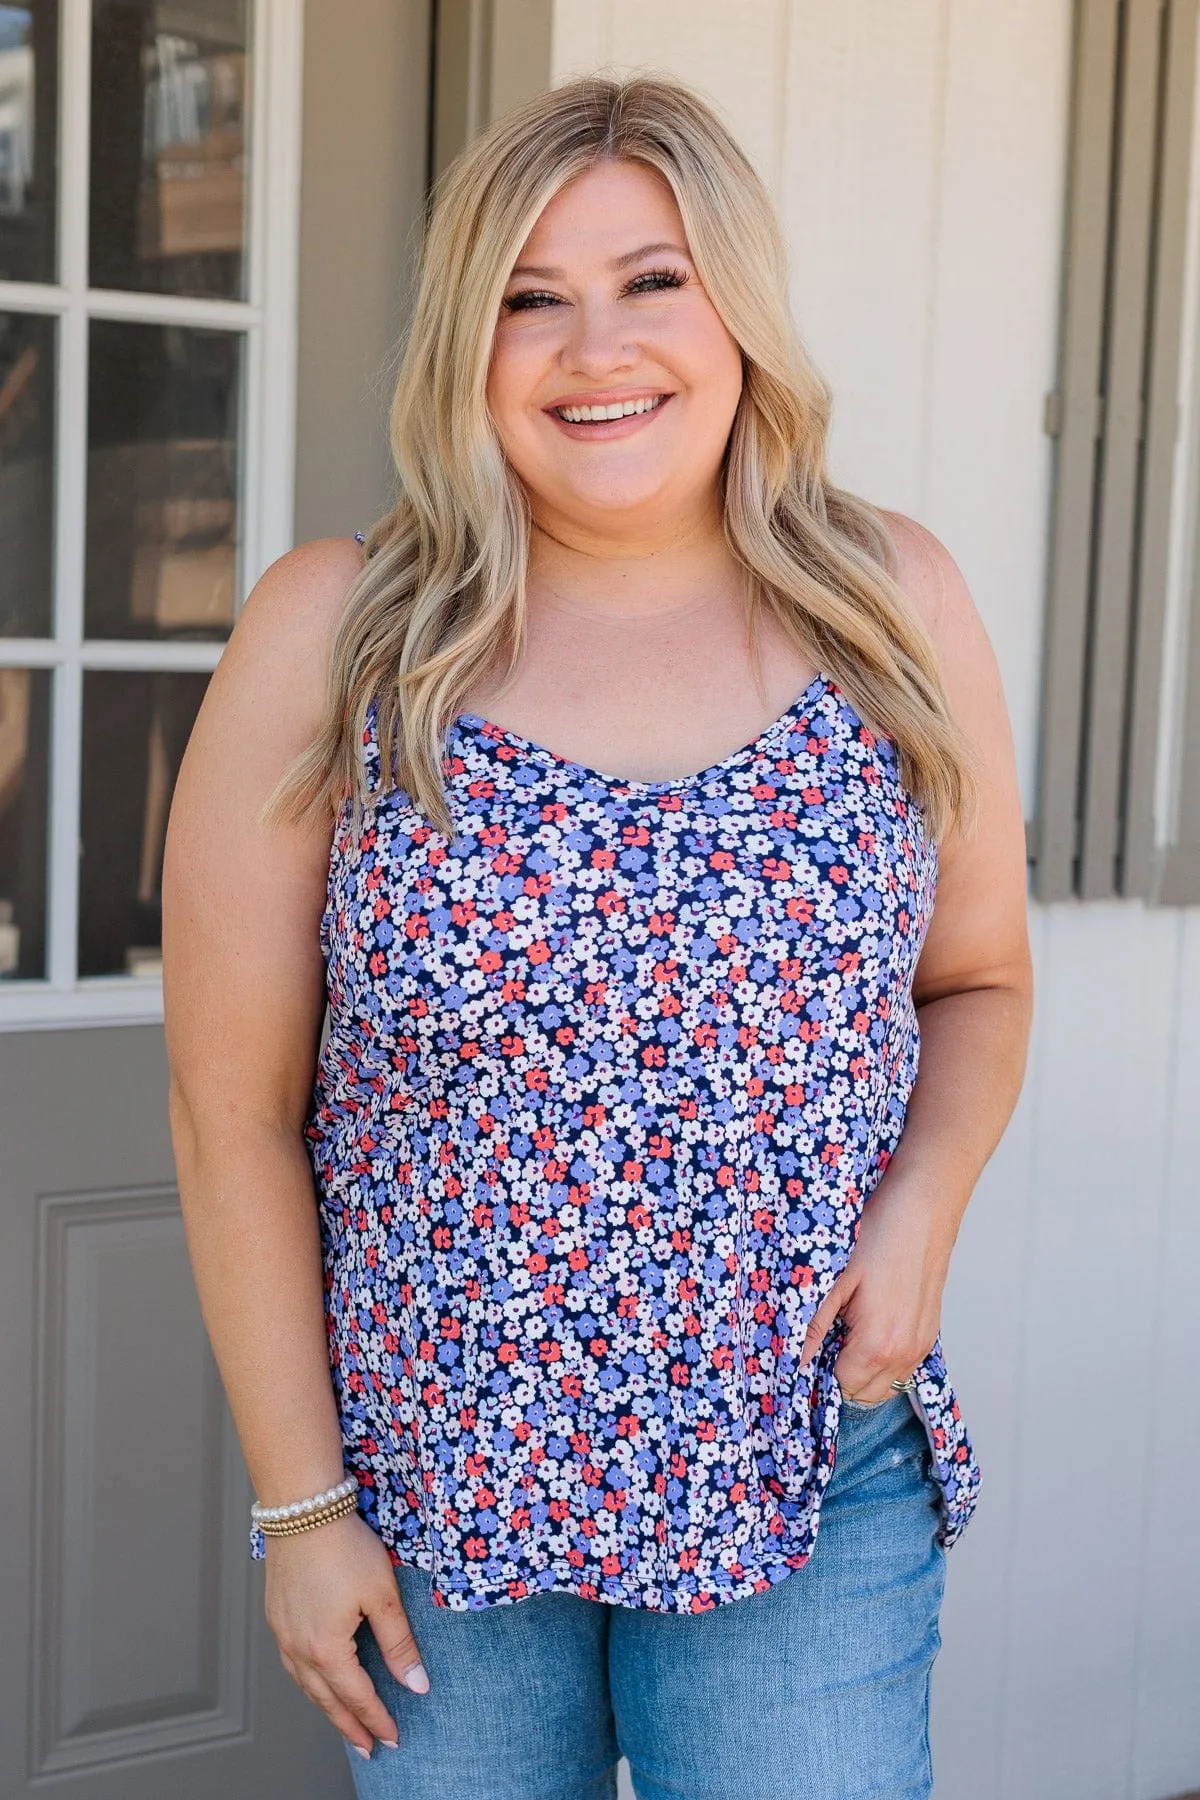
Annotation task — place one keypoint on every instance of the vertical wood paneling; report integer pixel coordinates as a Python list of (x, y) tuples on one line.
[(985, 1327), (859, 203), (581, 38), (1166, 1624), (995, 325), (1101, 1079), (732, 60), (734, 57)]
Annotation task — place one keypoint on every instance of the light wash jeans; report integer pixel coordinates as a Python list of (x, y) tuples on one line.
[(817, 1689)]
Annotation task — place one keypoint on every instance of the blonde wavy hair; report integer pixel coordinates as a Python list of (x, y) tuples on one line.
[(442, 590)]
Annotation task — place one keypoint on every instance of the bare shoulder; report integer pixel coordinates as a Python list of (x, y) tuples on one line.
[(279, 651), (307, 586), (937, 590), (295, 606), (242, 898), (930, 577), (266, 701)]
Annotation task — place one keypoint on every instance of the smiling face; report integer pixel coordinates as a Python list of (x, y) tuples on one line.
[(613, 382)]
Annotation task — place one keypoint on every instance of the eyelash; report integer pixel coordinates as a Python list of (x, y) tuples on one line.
[(534, 299)]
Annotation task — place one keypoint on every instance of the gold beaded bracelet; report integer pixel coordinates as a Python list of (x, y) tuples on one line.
[(306, 1521)]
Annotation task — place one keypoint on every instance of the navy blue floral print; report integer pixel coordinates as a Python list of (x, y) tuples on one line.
[(611, 1074)]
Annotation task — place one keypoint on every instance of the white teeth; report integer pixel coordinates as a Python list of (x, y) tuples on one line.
[(620, 409)]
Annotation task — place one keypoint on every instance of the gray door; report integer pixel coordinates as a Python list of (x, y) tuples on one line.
[(135, 1653), (155, 344)]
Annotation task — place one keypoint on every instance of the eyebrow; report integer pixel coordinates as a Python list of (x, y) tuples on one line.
[(619, 262)]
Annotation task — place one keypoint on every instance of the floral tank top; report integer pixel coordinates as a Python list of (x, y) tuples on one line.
[(611, 1073)]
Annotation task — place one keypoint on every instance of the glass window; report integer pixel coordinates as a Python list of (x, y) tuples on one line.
[(28, 139), (169, 134), (135, 730), (134, 329), (24, 758), (26, 472), (162, 526)]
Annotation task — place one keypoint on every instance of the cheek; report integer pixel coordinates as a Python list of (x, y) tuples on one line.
[(512, 379), (723, 360), (711, 363)]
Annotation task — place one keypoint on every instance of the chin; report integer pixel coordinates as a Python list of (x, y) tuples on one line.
[(606, 493), (619, 504)]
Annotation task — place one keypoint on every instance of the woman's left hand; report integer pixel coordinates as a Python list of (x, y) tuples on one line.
[(889, 1294)]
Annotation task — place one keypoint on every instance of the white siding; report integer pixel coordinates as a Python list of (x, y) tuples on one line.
[(918, 157)]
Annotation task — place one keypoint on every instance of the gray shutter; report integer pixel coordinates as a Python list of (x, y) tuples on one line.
[(1141, 873), (1116, 416), (1181, 863)]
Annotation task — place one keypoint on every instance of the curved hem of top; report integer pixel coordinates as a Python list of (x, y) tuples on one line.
[(478, 1596)]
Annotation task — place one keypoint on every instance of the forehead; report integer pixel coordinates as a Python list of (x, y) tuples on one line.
[(603, 214)]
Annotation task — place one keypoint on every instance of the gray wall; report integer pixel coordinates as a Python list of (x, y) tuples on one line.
[(366, 88), (490, 55)]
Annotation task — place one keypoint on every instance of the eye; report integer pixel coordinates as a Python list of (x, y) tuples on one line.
[(655, 280), (529, 300)]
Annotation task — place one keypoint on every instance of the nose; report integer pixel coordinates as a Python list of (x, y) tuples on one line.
[(598, 341)]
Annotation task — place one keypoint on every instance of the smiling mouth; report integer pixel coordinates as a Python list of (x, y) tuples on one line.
[(603, 415)]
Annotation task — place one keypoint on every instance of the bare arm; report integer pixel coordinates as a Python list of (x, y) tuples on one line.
[(974, 994), (244, 992), (974, 984)]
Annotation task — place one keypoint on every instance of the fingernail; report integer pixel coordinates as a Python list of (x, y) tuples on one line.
[(389, 1743), (416, 1679), (365, 1754)]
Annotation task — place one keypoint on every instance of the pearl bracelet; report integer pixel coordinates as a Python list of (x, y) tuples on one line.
[(267, 1515), (321, 1515)]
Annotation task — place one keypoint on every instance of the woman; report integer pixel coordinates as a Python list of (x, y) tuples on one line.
[(629, 1217)]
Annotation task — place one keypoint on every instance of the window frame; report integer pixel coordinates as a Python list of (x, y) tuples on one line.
[(267, 320)]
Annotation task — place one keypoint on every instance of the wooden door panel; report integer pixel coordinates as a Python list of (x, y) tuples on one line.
[(135, 1657)]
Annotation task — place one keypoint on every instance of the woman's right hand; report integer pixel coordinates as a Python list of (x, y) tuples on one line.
[(321, 1585)]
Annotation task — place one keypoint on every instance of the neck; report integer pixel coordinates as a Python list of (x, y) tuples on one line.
[(675, 568)]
